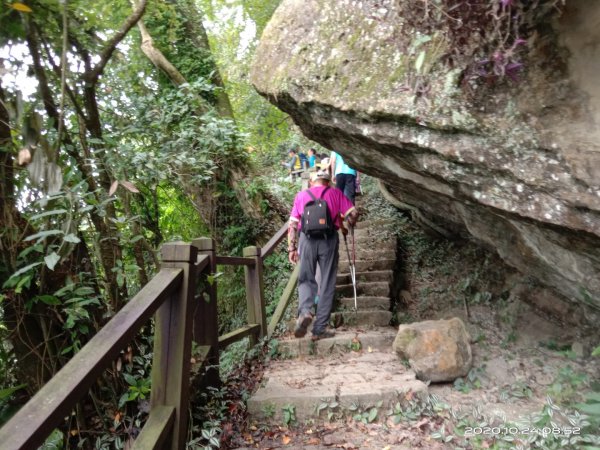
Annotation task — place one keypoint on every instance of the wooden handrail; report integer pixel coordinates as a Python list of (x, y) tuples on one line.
[(235, 261), (284, 300), (179, 307), (156, 429), (238, 335), (274, 241), (30, 426)]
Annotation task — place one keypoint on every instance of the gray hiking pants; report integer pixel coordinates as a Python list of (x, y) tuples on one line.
[(325, 253)]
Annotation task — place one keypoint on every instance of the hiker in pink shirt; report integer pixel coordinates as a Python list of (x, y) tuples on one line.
[(318, 244)]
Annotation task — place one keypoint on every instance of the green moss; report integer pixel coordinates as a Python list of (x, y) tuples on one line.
[(403, 340)]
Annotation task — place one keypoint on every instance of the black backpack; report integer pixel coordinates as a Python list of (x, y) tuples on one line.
[(316, 220)]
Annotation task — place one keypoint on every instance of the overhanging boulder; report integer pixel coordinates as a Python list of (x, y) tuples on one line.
[(514, 163)]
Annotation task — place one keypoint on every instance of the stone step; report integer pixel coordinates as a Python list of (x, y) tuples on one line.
[(371, 288), (364, 379), (366, 303), (368, 265), (368, 254), (369, 245), (362, 277), (376, 223), (371, 233), (367, 319), (361, 318), (378, 339)]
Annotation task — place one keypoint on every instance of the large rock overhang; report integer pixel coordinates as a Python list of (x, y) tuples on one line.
[(516, 164)]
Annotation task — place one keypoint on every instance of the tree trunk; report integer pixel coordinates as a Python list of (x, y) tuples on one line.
[(197, 32)]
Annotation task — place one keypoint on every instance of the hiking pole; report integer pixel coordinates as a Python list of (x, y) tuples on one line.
[(352, 276), (353, 272)]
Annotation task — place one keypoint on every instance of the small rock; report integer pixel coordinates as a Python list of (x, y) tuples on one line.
[(437, 350)]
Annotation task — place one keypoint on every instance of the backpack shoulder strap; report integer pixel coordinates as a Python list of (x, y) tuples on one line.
[(311, 194), (324, 190)]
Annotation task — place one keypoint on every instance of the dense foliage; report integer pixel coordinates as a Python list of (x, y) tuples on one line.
[(121, 129)]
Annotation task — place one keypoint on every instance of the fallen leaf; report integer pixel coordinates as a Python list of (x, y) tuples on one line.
[(21, 7), (370, 349), (129, 355), (129, 186), (286, 440), (113, 188), (73, 432), (313, 441)]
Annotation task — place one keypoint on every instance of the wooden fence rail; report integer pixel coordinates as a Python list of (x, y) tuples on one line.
[(183, 295)]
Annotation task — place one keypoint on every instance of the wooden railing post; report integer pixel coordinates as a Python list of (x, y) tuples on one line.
[(206, 323), (255, 295), (305, 177), (173, 343)]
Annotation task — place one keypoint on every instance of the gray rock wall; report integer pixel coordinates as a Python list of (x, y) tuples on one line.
[(516, 164)]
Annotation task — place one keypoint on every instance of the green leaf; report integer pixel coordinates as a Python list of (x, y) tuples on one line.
[(48, 299), (66, 350), (54, 212), (51, 260), (84, 290), (24, 269), (54, 441), (372, 414), (596, 351), (6, 393), (592, 397), (593, 409), (123, 399), (131, 381), (72, 238), (43, 234), (63, 290)]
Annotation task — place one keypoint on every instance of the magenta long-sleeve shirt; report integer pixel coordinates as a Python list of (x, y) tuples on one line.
[(338, 204)]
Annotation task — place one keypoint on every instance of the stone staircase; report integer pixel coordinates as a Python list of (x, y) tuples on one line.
[(357, 367)]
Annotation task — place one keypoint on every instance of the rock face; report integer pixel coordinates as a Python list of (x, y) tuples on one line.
[(437, 350), (514, 164)]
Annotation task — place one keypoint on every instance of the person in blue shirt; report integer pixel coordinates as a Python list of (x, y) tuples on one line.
[(345, 176), (312, 157)]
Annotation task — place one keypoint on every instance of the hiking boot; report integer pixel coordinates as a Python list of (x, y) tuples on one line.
[(324, 335), (302, 325)]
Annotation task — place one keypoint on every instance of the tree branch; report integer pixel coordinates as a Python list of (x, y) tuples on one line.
[(112, 43), (58, 71), (162, 63), (158, 58)]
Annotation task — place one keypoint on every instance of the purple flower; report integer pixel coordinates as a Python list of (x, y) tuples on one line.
[(512, 70)]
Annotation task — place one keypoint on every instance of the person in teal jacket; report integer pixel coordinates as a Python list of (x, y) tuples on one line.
[(345, 176)]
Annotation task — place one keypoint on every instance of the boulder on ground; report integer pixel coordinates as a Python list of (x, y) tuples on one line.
[(437, 350)]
